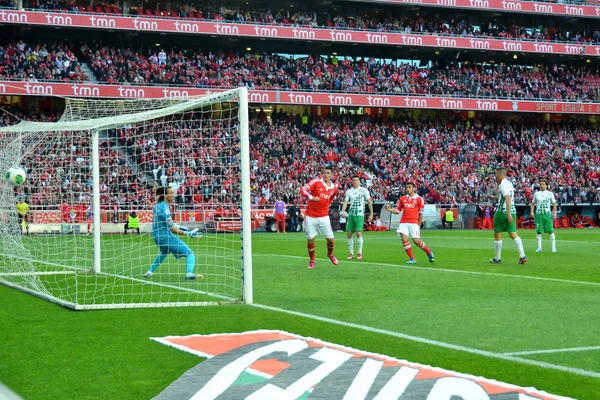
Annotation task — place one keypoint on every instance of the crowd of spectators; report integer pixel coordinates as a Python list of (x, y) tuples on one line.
[(42, 61), (199, 159), (452, 161), (58, 61), (55, 5), (392, 19), (315, 73), (59, 169), (74, 6)]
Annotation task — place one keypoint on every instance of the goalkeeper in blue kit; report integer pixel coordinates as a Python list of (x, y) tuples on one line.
[(164, 231)]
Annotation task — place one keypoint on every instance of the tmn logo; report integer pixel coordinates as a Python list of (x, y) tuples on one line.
[(261, 365)]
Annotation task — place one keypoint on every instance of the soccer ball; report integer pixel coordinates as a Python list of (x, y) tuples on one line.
[(15, 176)]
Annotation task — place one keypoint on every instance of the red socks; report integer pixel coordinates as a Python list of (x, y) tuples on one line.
[(311, 250), (424, 247), (330, 249), (408, 249)]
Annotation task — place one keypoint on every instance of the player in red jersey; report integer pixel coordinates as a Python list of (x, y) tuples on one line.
[(412, 206), (320, 193)]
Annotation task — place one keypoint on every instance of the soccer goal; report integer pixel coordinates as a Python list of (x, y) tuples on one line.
[(95, 173)]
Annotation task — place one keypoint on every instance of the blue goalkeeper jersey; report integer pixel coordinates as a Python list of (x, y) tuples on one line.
[(162, 222)]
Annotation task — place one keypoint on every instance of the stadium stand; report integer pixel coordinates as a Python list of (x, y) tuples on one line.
[(450, 156), (226, 69), (54, 62), (392, 20), (452, 161)]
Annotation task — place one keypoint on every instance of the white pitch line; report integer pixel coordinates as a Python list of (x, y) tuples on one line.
[(565, 350), (394, 238), (537, 278), (529, 239), (505, 357)]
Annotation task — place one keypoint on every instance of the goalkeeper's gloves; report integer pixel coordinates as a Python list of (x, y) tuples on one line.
[(183, 228), (195, 234), (189, 232)]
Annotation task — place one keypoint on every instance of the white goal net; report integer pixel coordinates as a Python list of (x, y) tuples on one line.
[(88, 241)]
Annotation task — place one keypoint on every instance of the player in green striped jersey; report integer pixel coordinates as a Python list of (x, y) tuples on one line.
[(545, 214), (505, 219), (357, 197)]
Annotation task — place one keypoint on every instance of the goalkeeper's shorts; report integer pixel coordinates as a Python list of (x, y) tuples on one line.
[(174, 246)]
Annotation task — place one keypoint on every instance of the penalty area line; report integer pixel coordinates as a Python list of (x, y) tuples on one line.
[(457, 271), (484, 353)]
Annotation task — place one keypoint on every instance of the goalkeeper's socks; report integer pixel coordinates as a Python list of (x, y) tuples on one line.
[(330, 247), (351, 246), (311, 250), (190, 262), (157, 261), (408, 250), (424, 247)]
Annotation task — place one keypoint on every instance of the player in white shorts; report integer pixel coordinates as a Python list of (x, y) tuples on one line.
[(411, 205), (320, 194), (410, 230), (315, 226)]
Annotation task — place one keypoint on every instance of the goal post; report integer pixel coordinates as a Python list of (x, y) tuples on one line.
[(96, 171), (246, 195), (95, 158)]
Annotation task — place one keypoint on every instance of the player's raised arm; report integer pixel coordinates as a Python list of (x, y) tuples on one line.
[(306, 191), (390, 209)]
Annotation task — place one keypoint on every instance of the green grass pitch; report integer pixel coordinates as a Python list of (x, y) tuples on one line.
[(552, 302)]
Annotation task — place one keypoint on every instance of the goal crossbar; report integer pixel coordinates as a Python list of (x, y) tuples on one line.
[(68, 124)]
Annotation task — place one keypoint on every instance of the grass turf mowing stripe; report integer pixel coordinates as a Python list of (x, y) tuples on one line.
[(537, 278), (505, 357), (395, 238), (548, 351)]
